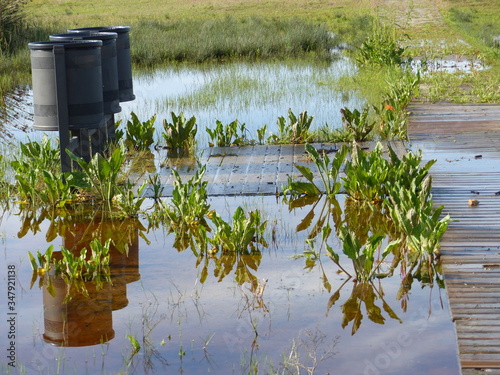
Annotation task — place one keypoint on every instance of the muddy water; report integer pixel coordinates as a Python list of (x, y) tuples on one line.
[(218, 315)]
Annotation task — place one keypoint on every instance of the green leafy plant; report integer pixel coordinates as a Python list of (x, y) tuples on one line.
[(38, 176), (42, 156), (261, 135), (139, 135), (156, 186), (392, 112), (414, 214), (382, 47), (232, 134), (328, 169), (245, 231), (296, 130), (187, 211), (100, 176), (356, 123), (128, 202), (179, 134), (366, 174)]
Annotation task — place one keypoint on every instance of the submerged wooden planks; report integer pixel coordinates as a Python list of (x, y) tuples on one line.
[(249, 170), (465, 141)]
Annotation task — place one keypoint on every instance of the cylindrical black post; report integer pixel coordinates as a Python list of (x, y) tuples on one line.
[(83, 75), (109, 65), (123, 54)]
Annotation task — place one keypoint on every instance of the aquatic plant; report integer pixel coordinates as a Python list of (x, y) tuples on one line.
[(188, 206), (328, 169), (38, 178), (245, 231), (127, 201), (139, 135), (296, 130), (156, 186), (392, 112), (413, 212), (100, 176), (356, 123), (366, 174), (232, 134), (179, 134)]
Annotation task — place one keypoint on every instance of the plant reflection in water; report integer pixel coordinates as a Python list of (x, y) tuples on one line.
[(87, 279)]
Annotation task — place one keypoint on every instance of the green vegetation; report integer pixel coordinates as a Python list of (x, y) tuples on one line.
[(179, 135), (329, 171), (295, 130), (232, 134), (139, 135), (228, 38)]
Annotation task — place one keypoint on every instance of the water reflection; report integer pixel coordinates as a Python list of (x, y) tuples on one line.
[(80, 313), (364, 294), (356, 226)]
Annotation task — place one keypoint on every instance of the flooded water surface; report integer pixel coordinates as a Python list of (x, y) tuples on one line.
[(269, 308), (169, 308)]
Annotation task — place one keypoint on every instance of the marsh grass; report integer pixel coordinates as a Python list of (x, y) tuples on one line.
[(476, 19), (462, 88), (228, 38)]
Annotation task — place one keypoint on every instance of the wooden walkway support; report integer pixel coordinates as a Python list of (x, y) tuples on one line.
[(465, 141)]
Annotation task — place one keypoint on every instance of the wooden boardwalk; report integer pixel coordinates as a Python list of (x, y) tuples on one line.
[(465, 141)]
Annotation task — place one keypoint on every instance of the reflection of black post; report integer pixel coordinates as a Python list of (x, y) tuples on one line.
[(82, 320), (62, 106)]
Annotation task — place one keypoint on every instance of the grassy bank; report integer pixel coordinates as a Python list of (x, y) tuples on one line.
[(200, 31)]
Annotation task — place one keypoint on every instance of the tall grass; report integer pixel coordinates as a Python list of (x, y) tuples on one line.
[(12, 22), (157, 42)]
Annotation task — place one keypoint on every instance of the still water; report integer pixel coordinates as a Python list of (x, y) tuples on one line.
[(253, 93), (223, 315)]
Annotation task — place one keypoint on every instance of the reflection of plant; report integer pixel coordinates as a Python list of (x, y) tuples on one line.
[(139, 135), (328, 171), (232, 134), (180, 134), (295, 131), (75, 270), (363, 293), (356, 123)]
